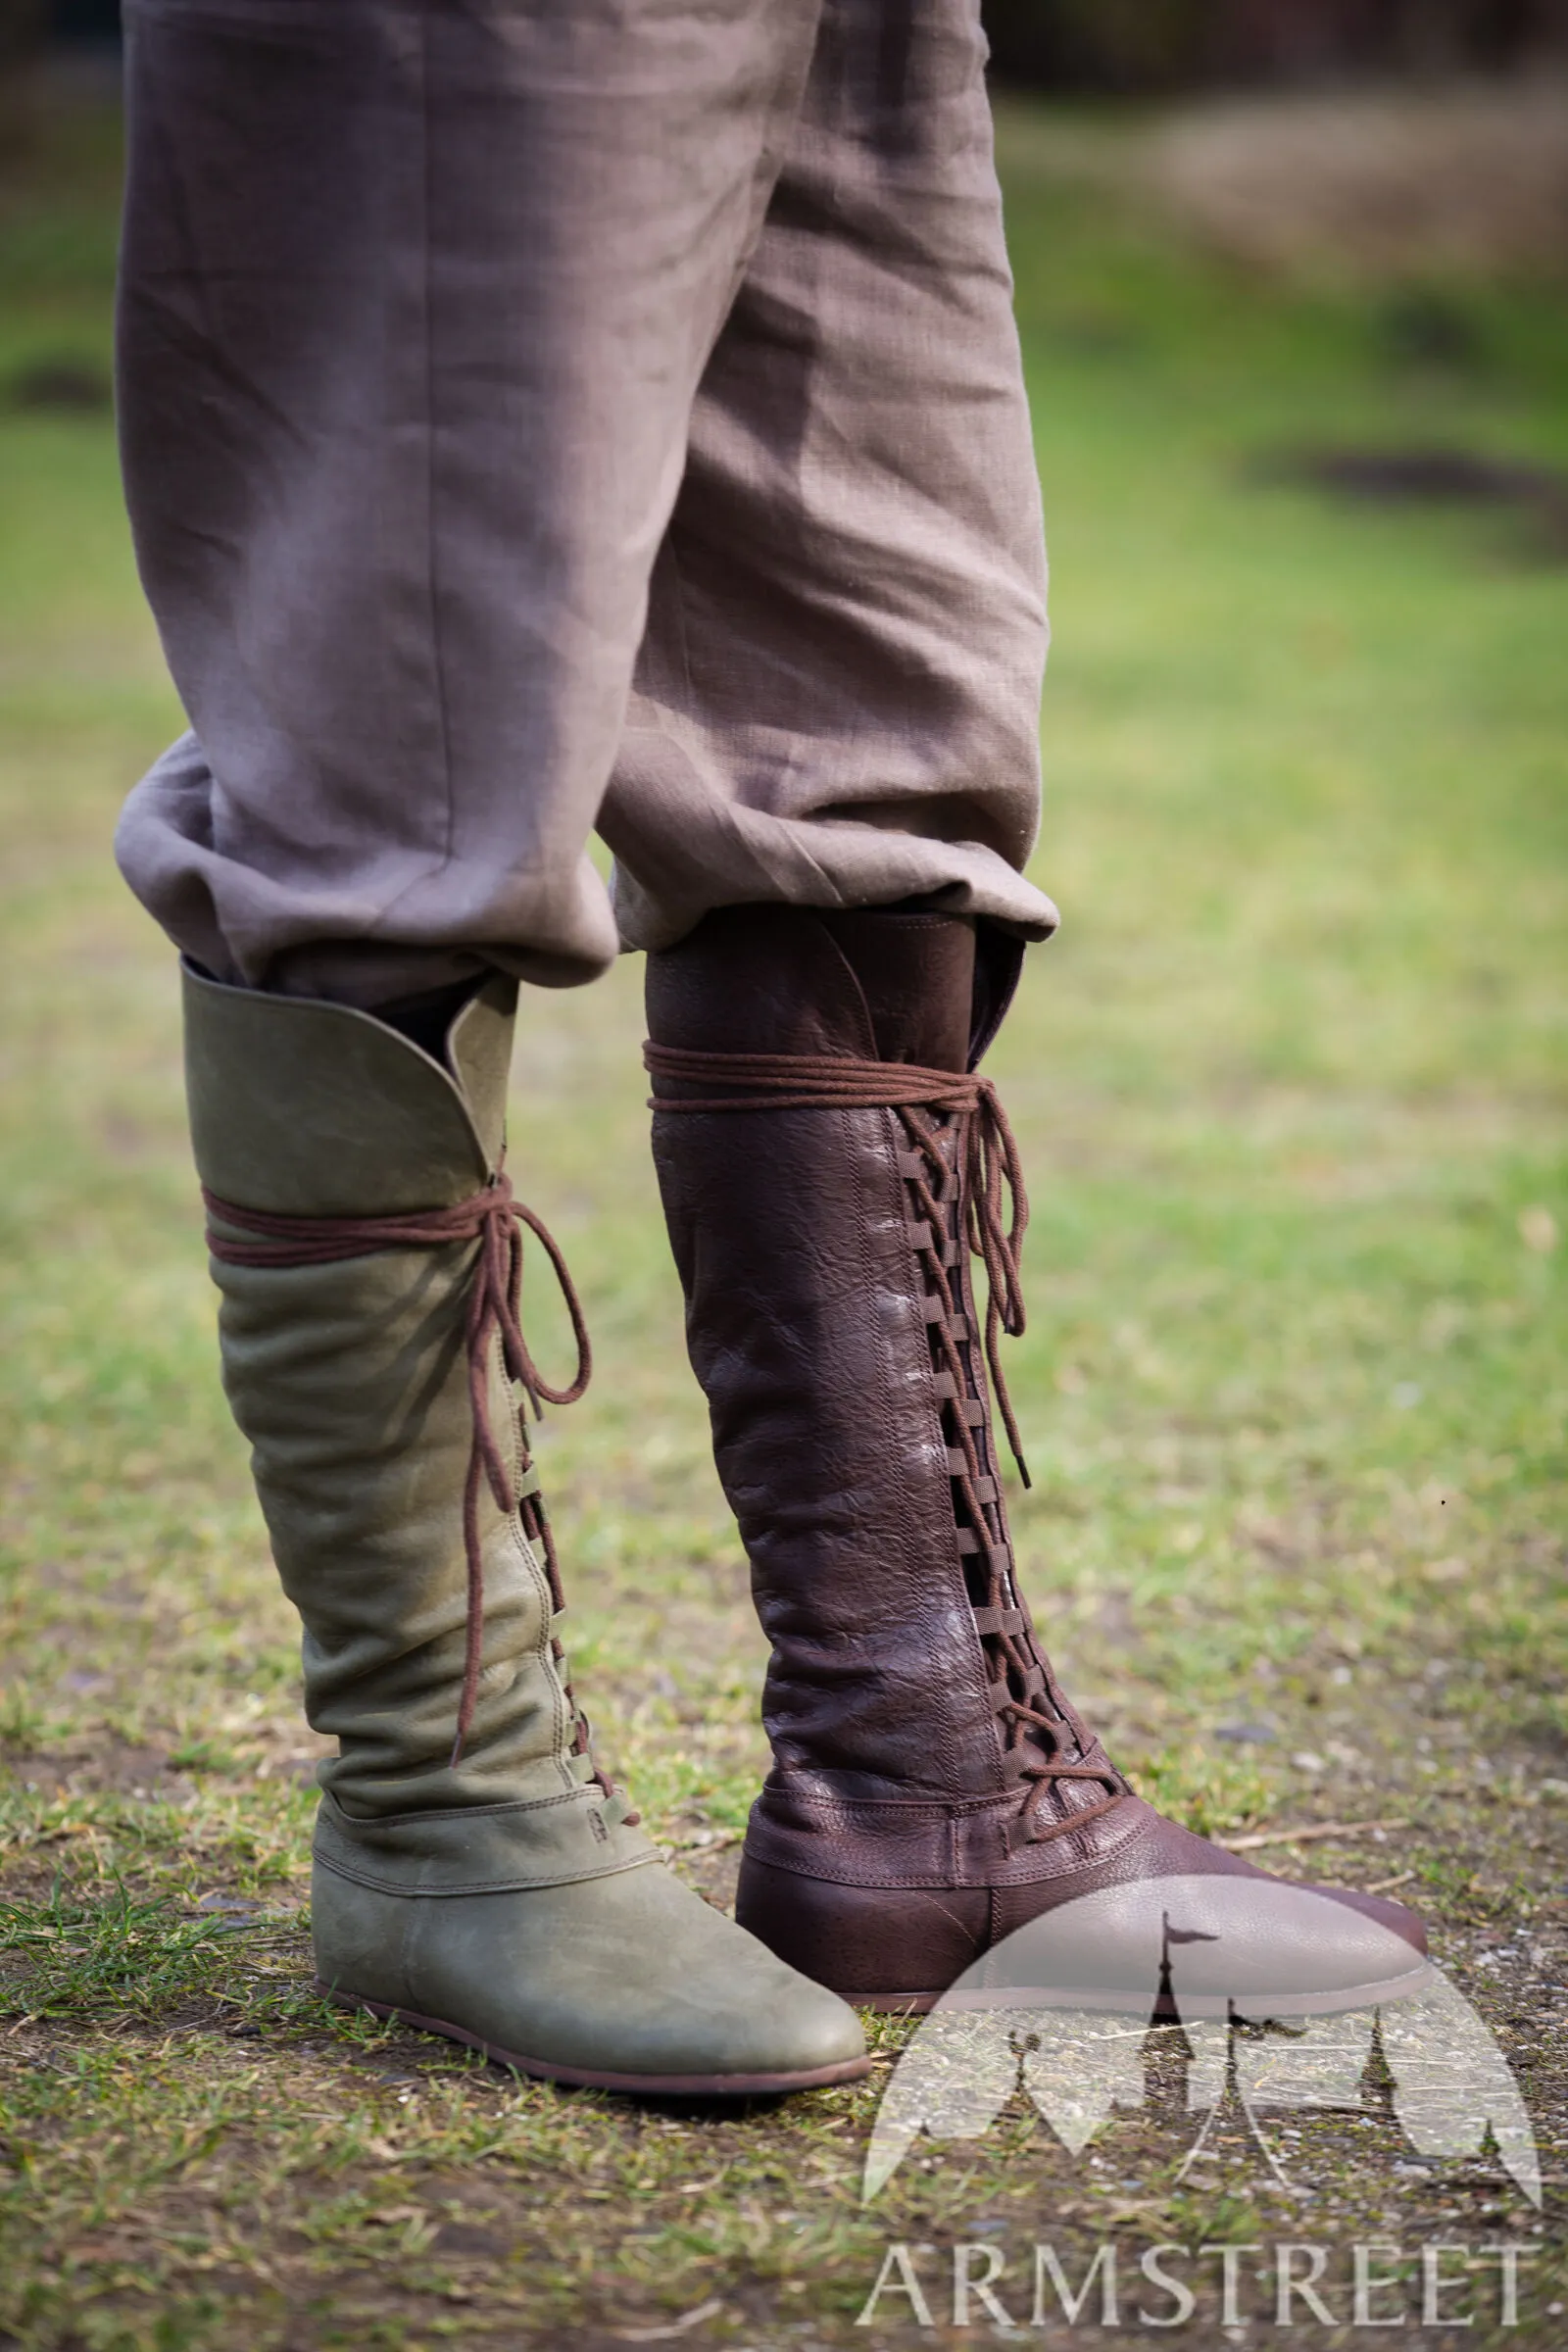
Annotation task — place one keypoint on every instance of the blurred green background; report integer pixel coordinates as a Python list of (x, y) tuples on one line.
[(1290, 1089)]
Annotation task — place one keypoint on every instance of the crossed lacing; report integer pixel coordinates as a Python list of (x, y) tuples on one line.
[(1015, 1662), (976, 1196), (494, 1218)]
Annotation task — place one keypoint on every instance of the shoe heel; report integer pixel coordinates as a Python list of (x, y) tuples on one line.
[(880, 1948)]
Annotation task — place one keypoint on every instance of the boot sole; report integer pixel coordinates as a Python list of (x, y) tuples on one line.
[(587, 2078), (1339, 2002)]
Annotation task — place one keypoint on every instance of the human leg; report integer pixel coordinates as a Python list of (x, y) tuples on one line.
[(837, 700), (836, 713), (414, 302), (404, 413)]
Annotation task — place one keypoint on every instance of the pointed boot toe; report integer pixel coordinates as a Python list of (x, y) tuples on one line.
[(627, 1982), (1089, 1929), (1397, 1919)]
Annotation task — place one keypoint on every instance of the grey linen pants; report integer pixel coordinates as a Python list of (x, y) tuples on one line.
[(542, 416)]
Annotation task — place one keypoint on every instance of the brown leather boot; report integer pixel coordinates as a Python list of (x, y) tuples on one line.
[(828, 1163)]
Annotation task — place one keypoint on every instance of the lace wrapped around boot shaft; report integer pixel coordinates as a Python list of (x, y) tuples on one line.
[(831, 1167)]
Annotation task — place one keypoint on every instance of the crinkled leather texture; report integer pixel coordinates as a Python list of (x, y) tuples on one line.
[(503, 1898), (351, 1381), (806, 1329), (630, 1975), (887, 1847), (806, 1325), (886, 1944)]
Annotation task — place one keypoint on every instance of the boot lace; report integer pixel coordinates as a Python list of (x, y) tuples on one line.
[(495, 1218), (966, 1186)]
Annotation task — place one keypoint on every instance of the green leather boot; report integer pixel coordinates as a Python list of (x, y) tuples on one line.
[(473, 1873)]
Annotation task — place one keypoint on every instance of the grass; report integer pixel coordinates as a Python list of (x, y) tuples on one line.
[(1289, 1089)]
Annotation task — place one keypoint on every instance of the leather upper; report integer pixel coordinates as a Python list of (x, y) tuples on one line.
[(351, 1381), (809, 1326), (808, 1323)]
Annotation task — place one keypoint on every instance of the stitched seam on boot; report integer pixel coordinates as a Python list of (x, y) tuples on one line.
[(967, 1808), (778, 1846), (1025, 1868), (354, 1822), (847, 1810), (516, 1884)]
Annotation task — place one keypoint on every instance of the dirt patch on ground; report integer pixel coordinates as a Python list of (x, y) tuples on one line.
[(1534, 498), (1475, 180), (1470, 180)]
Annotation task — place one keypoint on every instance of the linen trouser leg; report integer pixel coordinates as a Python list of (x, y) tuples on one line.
[(838, 699), (425, 312), (414, 301)]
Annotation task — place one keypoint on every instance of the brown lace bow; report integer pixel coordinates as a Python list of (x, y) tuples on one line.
[(829, 1082), (494, 1218)]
